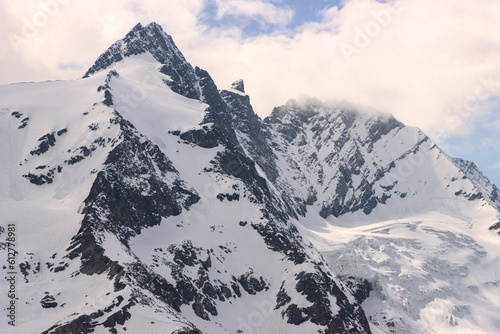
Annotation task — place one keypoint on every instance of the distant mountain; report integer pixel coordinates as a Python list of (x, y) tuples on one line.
[(145, 198)]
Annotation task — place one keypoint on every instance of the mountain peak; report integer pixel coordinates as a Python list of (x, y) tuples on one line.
[(151, 39), (137, 27), (140, 39), (238, 85)]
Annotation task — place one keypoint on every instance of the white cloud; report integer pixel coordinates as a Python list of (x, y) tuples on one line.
[(424, 61), (38, 40), (262, 11)]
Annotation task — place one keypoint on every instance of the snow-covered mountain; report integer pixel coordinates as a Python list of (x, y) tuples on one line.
[(145, 199)]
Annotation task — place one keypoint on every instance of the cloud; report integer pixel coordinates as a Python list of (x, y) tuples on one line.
[(424, 61), (40, 37), (265, 12), (430, 63)]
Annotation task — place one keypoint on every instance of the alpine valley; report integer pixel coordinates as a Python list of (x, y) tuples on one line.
[(146, 200)]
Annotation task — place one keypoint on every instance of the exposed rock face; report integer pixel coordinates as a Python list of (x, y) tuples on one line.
[(345, 140), (138, 187), (484, 188), (255, 137)]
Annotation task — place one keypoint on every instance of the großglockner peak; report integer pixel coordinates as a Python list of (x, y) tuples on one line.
[(152, 39), (170, 206)]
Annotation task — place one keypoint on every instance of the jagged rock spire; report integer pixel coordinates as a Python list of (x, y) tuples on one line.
[(238, 85)]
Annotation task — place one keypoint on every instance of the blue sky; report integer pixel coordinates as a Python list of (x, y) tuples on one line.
[(303, 12), (415, 59), (481, 144)]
